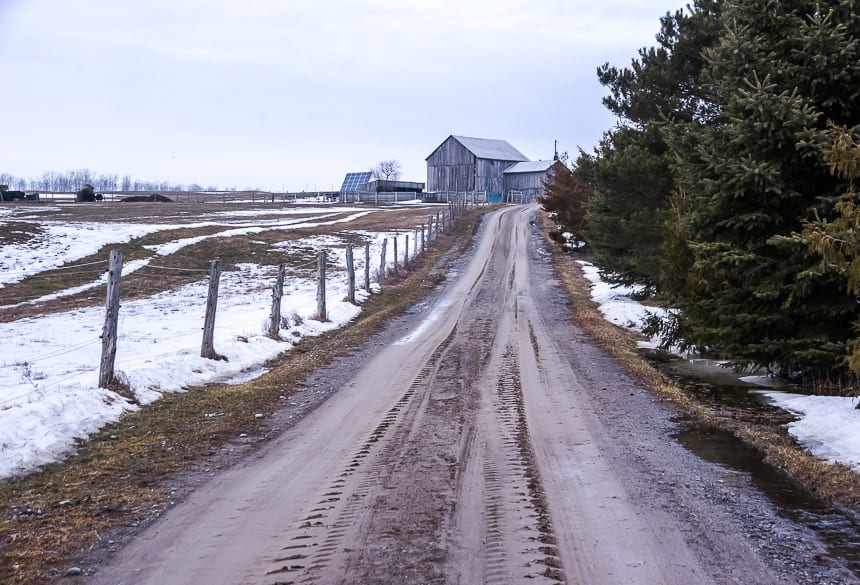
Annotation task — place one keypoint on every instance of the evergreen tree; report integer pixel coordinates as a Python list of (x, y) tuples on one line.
[(633, 178), (632, 183), (780, 70), (566, 194)]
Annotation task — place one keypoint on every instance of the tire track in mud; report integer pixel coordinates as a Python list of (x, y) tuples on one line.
[(512, 398), (391, 515), (513, 515), (318, 546), (398, 491)]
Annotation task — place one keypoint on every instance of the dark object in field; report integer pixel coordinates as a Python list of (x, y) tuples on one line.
[(86, 194), (15, 196), (154, 198), (7, 195)]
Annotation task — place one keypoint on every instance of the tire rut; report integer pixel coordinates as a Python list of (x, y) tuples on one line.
[(519, 541), (318, 548)]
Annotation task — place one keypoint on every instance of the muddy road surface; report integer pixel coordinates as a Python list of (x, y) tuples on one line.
[(489, 442)]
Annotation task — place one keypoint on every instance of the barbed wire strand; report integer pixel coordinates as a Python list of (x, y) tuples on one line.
[(64, 351), (172, 268), (71, 267)]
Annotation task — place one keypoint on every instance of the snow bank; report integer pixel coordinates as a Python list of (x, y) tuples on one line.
[(829, 426), (615, 302)]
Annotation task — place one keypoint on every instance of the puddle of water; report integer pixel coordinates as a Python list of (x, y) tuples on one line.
[(839, 532), (718, 386), (721, 387)]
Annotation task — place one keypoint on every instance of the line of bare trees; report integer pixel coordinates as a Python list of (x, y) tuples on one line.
[(69, 181)]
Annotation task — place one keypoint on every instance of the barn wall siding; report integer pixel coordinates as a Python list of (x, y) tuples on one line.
[(451, 167), (525, 180), (490, 177)]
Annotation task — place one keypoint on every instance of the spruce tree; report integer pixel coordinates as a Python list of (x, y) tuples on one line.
[(633, 182), (633, 177), (780, 70)]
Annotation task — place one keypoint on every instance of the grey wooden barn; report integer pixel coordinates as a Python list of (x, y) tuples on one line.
[(462, 164), (524, 181)]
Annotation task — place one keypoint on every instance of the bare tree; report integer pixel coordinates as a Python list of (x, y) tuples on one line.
[(386, 170)]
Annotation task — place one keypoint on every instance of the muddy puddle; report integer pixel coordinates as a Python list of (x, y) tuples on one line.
[(840, 532)]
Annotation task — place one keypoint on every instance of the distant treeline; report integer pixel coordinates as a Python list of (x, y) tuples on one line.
[(69, 181)]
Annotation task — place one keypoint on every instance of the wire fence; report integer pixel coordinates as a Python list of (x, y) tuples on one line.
[(393, 257)]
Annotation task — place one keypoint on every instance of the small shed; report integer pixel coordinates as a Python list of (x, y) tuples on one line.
[(524, 181), (462, 163), (387, 186)]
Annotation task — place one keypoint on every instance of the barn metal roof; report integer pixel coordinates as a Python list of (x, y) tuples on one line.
[(491, 149), (531, 166)]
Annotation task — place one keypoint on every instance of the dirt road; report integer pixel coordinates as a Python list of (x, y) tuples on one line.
[(490, 443)]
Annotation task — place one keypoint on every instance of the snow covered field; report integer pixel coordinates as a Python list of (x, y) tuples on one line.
[(49, 393), (828, 426)]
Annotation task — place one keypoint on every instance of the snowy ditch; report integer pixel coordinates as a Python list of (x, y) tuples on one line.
[(828, 426), (49, 394)]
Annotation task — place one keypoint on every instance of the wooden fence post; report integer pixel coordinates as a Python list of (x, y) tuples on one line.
[(367, 266), (422, 239), (381, 277), (322, 314), (111, 319), (415, 244), (277, 293), (207, 349), (395, 256), (430, 229), (350, 276), (406, 253)]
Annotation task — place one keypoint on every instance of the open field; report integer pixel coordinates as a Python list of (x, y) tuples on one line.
[(53, 260)]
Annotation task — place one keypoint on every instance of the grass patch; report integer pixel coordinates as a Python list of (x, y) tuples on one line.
[(833, 483), (124, 476)]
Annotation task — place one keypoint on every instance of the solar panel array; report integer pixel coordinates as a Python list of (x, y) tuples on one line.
[(354, 181)]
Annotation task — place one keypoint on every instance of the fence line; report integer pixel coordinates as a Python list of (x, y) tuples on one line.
[(436, 224)]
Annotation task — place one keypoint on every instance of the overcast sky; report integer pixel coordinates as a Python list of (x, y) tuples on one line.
[(293, 94)]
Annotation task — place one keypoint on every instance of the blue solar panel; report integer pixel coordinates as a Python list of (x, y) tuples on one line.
[(354, 181)]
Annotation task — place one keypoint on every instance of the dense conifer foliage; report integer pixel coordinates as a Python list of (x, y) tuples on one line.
[(778, 72), (633, 176), (727, 184)]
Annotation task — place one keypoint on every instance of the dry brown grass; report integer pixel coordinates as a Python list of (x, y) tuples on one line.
[(833, 483), (123, 476)]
